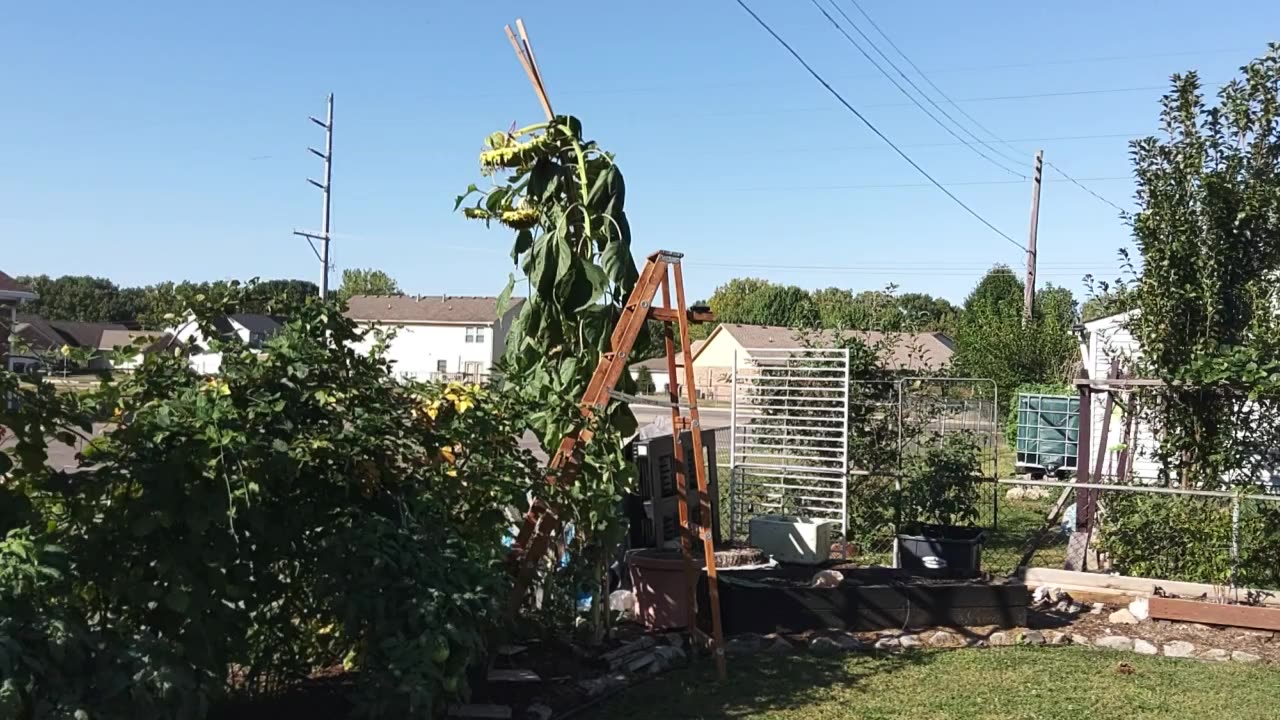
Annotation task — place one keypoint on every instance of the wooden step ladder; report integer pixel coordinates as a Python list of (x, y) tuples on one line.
[(541, 523)]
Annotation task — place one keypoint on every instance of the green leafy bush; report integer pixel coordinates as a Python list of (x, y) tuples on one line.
[(1189, 538), (299, 510), (940, 485)]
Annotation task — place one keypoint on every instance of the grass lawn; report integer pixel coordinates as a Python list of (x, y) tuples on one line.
[(996, 684)]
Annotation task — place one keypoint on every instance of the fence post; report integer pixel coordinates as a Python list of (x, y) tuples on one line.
[(1235, 542)]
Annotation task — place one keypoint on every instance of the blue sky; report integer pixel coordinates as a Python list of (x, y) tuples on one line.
[(147, 141)]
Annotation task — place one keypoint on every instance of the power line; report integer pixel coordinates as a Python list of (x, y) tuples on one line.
[(883, 186), (915, 87), (962, 111), (903, 90), (872, 127)]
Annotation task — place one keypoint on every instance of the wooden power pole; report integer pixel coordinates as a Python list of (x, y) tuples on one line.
[(323, 253), (1029, 289)]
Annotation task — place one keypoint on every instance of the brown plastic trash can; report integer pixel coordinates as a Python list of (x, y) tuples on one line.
[(658, 580)]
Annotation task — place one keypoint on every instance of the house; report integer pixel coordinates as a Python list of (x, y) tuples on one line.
[(714, 361), (438, 337), (658, 370), (42, 341), (11, 295), (251, 329)]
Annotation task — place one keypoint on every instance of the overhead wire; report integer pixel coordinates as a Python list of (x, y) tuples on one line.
[(903, 90), (915, 87), (963, 112), (760, 21)]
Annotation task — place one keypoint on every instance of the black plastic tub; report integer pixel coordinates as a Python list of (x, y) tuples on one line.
[(959, 547)]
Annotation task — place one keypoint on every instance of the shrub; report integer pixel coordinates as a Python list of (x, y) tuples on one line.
[(299, 510), (940, 485)]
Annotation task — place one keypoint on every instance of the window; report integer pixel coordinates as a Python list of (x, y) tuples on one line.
[(472, 371), (442, 366), (471, 334), (480, 334)]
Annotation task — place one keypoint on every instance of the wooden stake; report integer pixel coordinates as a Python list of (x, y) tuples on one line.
[(527, 63)]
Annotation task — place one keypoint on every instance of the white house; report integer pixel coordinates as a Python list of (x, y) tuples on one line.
[(251, 329), (660, 373), (438, 337)]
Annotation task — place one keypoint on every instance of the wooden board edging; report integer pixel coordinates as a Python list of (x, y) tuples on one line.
[(1243, 616), (1132, 587)]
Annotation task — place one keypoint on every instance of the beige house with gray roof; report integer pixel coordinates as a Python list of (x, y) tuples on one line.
[(904, 352)]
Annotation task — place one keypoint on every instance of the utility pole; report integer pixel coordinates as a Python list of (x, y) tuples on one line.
[(325, 187), (1029, 289)]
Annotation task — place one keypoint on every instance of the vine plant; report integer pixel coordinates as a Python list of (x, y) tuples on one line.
[(564, 198)]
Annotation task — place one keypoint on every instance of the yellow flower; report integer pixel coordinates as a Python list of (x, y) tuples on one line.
[(433, 410), (446, 454), (462, 404)]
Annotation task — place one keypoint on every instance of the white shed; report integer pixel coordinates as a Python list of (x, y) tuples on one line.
[(1105, 339)]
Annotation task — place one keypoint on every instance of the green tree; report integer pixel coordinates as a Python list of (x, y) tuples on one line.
[(644, 380), (74, 297), (781, 305), (1208, 229), (835, 308), (367, 281), (268, 296), (993, 342), (729, 301)]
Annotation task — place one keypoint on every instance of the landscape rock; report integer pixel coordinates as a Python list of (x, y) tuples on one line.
[(825, 646), (1179, 649), (998, 639), (828, 579), (780, 646), (945, 639), (1078, 639), (748, 644), (909, 642), (1140, 609), (1040, 596), (1114, 642), (623, 655), (1142, 647), (1244, 657), (1097, 609), (1215, 655), (538, 711), (1056, 637), (887, 643), (849, 643), (601, 685), (1122, 617), (1031, 637)]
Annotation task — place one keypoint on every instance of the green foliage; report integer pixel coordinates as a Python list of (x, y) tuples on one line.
[(940, 485), (993, 342), (758, 302), (1208, 229), (644, 381), (89, 299), (1189, 538), (564, 198), (301, 509), (367, 281)]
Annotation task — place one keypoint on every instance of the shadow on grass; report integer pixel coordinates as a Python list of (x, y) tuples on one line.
[(757, 685)]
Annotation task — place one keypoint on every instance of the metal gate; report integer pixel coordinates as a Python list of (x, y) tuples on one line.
[(789, 418)]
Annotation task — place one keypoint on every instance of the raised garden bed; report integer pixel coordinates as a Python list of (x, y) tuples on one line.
[(1199, 611), (783, 600)]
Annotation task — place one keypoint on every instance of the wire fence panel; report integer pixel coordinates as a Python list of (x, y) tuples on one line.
[(789, 435)]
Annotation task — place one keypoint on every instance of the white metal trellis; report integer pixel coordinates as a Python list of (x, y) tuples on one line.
[(789, 449)]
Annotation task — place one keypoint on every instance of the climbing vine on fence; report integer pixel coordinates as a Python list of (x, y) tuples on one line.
[(564, 199)]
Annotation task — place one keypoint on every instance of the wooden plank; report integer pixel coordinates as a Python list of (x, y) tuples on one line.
[(481, 712), (1071, 580), (672, 315), (513, 676), (1244, 616)]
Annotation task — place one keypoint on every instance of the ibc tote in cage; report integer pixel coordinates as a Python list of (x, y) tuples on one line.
[(1048, 437)]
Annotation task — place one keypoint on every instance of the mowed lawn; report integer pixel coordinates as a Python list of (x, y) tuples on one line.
[(996, 683)]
